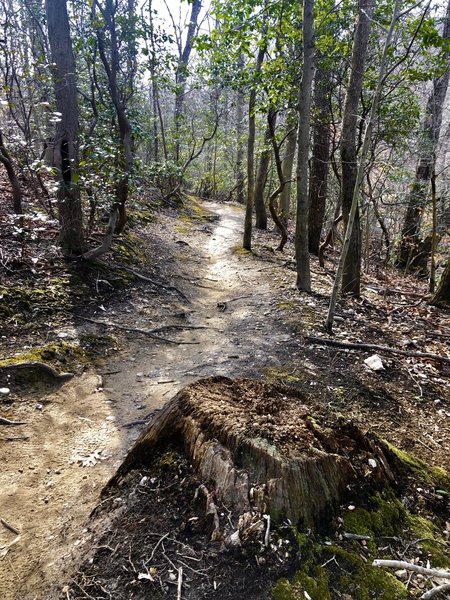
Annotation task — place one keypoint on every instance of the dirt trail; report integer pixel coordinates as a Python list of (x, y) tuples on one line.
[(51, 481)]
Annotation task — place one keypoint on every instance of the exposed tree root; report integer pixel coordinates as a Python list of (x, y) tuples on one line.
[(41, 367)]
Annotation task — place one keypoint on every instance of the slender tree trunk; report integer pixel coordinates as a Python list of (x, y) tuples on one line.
[(320, 159), (261, 177), (66, 136), (410, 243), (288, 165), (240, 176), (182, 73), (247, 240), (360, 172), (301, 231), (352, 266), (112, 67), (6, 160)]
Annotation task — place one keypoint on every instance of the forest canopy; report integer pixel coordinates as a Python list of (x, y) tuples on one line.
[(326, 119)]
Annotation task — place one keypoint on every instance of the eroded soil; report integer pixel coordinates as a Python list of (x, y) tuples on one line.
[(231, 314)]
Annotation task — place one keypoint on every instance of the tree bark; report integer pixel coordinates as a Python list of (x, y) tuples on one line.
[(442, 295), (352, 266), (320, 159), (288, 165), (360, 172), (248, 470), (247, 240), (301, 230), (240, 176), (66, 136), (417, 199), (6, 160), (111, 65), (182, 73), (261, 177)]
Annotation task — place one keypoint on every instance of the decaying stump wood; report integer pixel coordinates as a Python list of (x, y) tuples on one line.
[(260, 447)]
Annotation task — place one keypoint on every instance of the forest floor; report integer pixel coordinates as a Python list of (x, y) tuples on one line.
[(210, 309)]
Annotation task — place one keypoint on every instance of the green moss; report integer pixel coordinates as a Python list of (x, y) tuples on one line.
[(277, 375), (57, 354), (315, 584), (360, 579), (431, 540), (434, 475), (385, 519), (240, 251), (287, 305), (167, 460)]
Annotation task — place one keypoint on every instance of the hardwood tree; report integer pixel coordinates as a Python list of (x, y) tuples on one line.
[(442, 296), (183, 71), (66, 135), (320, 159), (352, 266), (301, 229), (411, 248)]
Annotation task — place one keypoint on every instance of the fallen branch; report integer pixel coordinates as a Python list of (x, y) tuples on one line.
[(41, 367), (400, 564), (4, 421), (149, 332), (377, 348), (435, 591)]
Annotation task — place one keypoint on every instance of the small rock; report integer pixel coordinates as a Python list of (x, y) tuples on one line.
[(5, 391), (374, 363)]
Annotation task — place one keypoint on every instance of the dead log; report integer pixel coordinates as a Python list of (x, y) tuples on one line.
[(260, 448), (377, 348)]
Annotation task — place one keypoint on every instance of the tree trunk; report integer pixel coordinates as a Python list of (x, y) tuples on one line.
[(301, 230), (6, 160), (182, 73), (288, 165), (247, 240), (410, 238), (66, 135), (261, 177), (303, 480), (112, 68), (352, 266), (240, 176), (442, 295), (360, 171), (320, 159)]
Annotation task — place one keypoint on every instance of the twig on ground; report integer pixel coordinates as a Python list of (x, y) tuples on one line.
[(267, 533), (180, 582), (355, 536), (4, 421), (9, 526), (359, 346), (445, 587), (161, 539), (401, 564)]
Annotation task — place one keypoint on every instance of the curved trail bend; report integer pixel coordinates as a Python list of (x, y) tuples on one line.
[(52, 479)]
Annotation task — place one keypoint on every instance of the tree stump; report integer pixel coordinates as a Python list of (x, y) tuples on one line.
[(263, 447)]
